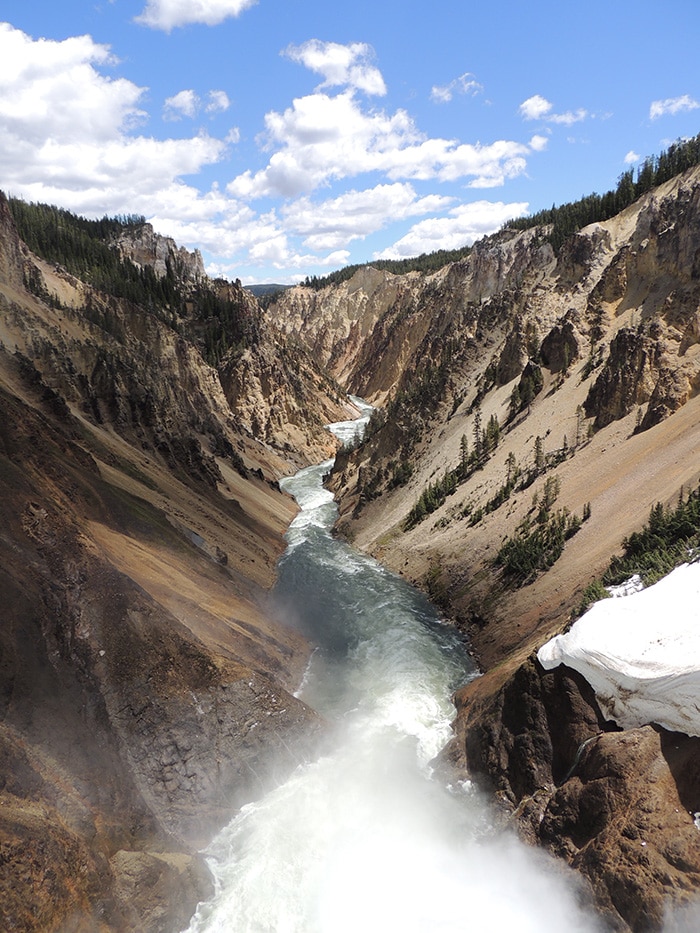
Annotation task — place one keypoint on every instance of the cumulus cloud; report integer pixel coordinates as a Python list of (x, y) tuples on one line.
[(539, 108), (334, 223), (671, 106), (535, 108), (340, 65), (632, 157), (53, 90), (217, 102), (321, 138), (463, 225), (66, 131), (464, 84), (188, 104), (218, 224), (169, 14), (182, 104)]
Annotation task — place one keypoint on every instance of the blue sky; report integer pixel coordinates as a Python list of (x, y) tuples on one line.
[(286, 140)]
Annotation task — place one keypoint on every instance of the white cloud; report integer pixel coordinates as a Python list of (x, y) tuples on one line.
[(334, 223), (65, 132), (273, 249), (218, 102), (321, 138), (289, 261), (169, 14), (632, 157), (52, 90), (462, 226), (538, 143), (225, 228), (672, 106), (539, 108), (571, 116), (188, 104), (182, 104), (340, 65), (535, 108), (464, 84)]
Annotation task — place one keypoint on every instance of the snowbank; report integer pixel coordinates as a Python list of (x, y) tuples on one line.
[(641, 653)]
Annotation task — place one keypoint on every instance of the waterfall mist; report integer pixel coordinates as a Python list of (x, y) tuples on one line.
[(364, 839)]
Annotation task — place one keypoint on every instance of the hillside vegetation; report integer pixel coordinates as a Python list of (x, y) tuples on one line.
[(90, 251)]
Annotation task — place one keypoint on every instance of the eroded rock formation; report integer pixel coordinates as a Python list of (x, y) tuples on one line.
[(617, 805), (610, 429), (145, 688)]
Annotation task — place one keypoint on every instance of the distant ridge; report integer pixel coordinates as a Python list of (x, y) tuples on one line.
[(265, 289)]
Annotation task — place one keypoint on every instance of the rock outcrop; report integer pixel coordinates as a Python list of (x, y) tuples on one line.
[(616, 805), (144, 247)]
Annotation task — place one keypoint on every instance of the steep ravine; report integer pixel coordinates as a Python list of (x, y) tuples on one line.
[(599, 348), (145, 676), (145, 680)]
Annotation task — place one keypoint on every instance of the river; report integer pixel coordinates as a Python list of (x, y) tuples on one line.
[(365, 839)]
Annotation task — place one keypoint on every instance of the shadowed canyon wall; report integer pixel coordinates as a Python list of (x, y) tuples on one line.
[(146, 688)]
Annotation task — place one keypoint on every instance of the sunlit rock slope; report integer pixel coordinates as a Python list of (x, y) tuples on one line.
[(534, 407)]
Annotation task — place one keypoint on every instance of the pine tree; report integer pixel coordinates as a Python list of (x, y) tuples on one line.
[(493, 433), (579, 423), (511, 468), (515, 402), (478, 436), (539, 454), (464, 455)]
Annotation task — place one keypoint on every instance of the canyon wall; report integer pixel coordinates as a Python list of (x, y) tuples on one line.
[(584, 366), (147, 685)]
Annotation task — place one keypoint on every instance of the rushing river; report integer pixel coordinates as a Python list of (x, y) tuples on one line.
[(363, 840)]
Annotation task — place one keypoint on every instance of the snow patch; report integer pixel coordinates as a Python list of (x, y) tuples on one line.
[(641, 654), (633, 585)]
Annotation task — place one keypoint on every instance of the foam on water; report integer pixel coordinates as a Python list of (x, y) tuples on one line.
[(363, 840)]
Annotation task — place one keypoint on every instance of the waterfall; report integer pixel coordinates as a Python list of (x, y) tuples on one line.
[(365, 838)]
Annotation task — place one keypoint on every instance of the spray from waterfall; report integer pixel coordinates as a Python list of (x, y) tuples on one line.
[(365, 839)]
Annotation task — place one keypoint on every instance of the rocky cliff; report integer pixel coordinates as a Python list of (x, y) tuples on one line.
[(146, 248), (545, 402), (145, 683)]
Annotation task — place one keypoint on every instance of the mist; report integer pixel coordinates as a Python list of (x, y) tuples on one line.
[(366, 837)]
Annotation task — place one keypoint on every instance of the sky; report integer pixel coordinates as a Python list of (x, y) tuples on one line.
[(285, 140)]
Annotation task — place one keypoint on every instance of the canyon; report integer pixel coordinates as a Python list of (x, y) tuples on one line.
[(602, 339), (148, 684)]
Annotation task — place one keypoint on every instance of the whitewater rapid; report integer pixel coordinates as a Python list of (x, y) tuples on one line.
[(365, 839)]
